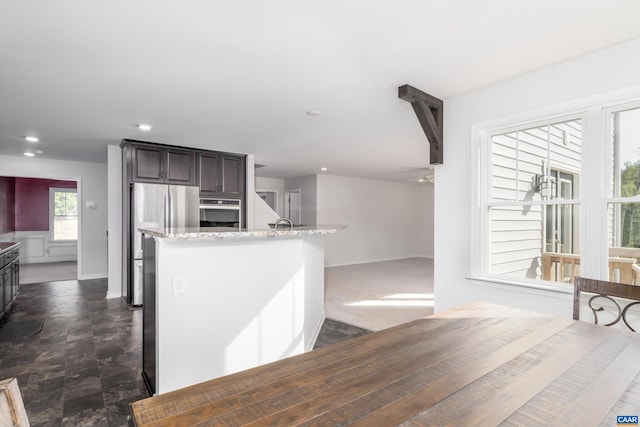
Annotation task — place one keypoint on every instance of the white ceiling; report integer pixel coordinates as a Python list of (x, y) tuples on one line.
[(239, 75)]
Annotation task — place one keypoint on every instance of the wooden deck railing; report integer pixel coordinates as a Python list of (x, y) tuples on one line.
[(560, 267), (565, 267)]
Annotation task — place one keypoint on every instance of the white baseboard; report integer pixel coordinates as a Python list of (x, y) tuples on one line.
[(26, 260), (113, 295), (316, 333), (93, 276), (375, 260)]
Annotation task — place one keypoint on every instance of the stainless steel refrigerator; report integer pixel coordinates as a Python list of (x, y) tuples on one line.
[(158, 206)]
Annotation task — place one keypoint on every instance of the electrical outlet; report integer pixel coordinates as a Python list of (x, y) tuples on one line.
[(179, 285)]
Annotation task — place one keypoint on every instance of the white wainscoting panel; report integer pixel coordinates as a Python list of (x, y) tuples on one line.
[(38, 247)]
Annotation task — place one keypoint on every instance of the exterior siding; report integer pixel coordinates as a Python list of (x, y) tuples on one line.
[(517, 231)]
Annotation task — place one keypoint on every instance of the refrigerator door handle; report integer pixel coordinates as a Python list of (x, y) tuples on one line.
[(166, 211), (170, 209)]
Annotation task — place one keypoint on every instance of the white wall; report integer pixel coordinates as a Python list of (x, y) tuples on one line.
[(423, 225), (92, 186), (596, 73), (386, 220), (114, 188), (308, 194), (274, 184), (263, 215), (250, 208)]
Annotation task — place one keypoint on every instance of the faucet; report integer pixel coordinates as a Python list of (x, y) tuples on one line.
[(282, 219)]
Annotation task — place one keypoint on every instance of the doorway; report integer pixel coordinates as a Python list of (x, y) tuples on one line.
[(43, 215), (292, 205)]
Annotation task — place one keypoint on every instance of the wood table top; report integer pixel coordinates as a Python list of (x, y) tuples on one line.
[(477, 365)]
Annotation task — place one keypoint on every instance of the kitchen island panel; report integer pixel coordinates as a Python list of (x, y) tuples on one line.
[(227, 305)]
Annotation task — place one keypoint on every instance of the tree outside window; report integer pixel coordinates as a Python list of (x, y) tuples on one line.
[(624, 208), (65, 213), (630, 223)]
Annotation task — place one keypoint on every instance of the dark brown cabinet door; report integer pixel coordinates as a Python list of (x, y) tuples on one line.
[(16, 279), (155, 164), (147, 164), (180, 167), (232, 175), (222, 175), (209, 173), (3, 284), (8, 286)]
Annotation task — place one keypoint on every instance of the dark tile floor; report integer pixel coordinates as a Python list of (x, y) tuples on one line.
[(333, 331), (83, 369)]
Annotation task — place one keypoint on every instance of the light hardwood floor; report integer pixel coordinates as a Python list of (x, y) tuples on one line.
[(379, 295)]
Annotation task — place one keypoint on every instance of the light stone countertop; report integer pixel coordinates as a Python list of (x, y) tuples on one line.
[(234, 233)]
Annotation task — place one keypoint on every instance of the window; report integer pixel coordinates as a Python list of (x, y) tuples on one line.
[(623, 213), (533, 203), (560, 197), (63, 205)]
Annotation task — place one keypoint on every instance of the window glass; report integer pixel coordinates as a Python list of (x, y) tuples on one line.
[(624, 243), (626, 152), (65, 214), (533, 208), (525, 163), (624, 218)]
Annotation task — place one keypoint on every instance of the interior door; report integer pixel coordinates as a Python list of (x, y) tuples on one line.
[(293, 205)]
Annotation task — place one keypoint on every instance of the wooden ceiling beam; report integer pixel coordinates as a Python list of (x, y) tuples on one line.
[(429, 110)]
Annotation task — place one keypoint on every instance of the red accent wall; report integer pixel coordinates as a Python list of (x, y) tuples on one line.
[(32, 202), (7, 203)]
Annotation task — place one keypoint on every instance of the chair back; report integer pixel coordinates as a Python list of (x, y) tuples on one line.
[(606, 290)]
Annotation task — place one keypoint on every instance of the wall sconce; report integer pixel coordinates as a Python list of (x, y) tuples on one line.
[(546, 186)]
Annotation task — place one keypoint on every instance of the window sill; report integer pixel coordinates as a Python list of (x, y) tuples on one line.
[(539, 285)]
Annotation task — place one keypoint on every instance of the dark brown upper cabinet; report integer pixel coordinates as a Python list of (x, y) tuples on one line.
[(222, 174), (162, 165)]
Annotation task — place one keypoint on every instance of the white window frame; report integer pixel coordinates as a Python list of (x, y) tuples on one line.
[(486, 202), (593, 199), (52, 192), (611, 197)]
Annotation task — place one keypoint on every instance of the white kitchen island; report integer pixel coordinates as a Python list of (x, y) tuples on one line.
[(219, 300)]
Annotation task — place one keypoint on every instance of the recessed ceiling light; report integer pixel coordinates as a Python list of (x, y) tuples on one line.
[(31, 138), (313, 113), (28, 154), (323, 169), (421, 180), (144, 126)]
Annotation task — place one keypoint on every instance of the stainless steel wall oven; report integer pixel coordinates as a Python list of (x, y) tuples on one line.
[(220, 213)]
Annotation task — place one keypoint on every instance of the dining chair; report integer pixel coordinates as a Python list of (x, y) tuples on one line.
[(606, 290)]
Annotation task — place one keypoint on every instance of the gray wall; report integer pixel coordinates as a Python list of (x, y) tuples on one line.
[(308, 186), (92, 186)]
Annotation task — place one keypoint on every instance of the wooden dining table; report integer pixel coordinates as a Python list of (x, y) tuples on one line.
[(480, 364)]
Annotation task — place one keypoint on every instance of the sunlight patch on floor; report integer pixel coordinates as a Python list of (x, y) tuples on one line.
[(408, 296), (396, 300)]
